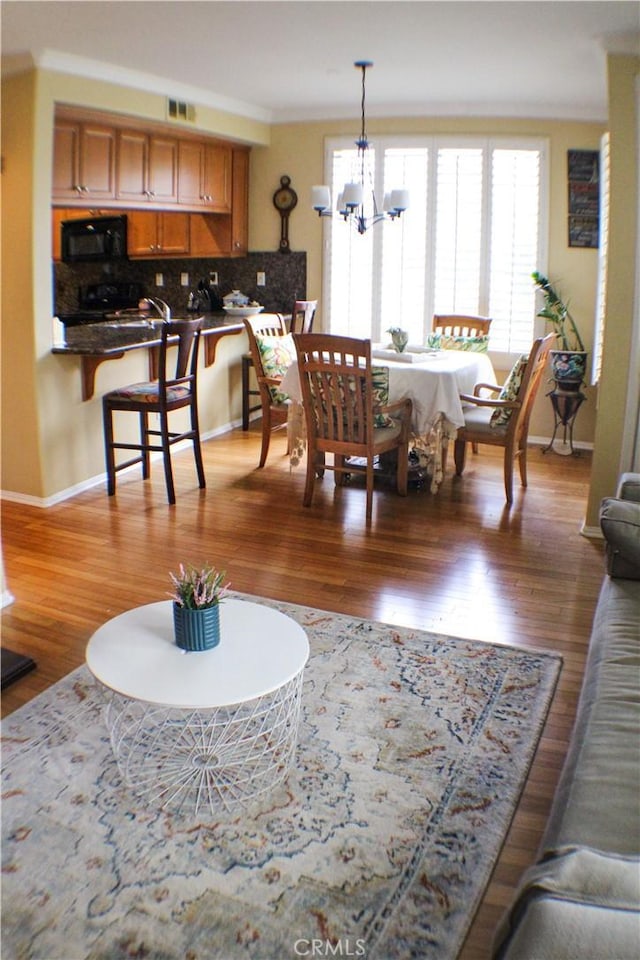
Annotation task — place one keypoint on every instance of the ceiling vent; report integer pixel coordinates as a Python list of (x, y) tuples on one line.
[(179, 110)]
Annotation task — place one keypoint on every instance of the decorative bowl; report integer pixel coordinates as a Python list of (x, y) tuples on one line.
[(234, 310)]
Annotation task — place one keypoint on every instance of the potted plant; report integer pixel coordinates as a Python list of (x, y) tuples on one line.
[(569, 361), (399, 338), (196, 597)]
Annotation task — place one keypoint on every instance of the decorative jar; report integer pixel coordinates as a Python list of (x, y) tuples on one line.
[(196, 629)]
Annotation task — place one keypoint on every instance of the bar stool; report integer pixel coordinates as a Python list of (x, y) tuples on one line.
[(162, 396)]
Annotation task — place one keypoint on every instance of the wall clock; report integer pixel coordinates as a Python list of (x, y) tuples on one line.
[(284, 200)]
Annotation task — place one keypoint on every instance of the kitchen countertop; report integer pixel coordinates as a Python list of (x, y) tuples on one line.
[(96, 342), (108, 337)]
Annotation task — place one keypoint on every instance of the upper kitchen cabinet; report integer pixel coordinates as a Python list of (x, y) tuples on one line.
[(147, 169), (84, 162), (204, 176), (240, 204), (153, 234)]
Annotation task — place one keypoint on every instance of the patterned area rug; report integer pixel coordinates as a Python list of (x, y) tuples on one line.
[(412, 754)]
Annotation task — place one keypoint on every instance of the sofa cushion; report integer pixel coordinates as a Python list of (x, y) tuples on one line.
[(629, 487), (620, 523), (556, 929), (597, 802)]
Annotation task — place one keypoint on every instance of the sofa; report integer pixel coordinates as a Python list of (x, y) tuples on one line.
[(581, 900)]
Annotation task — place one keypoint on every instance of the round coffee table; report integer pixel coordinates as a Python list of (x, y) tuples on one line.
[(214, 728)]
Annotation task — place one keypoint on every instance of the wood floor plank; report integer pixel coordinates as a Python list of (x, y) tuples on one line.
[(458, 563)]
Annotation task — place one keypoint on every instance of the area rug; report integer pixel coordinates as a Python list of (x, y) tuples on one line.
[(412, 754)]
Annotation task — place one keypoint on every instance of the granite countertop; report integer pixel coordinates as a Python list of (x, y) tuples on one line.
[(112, 337)]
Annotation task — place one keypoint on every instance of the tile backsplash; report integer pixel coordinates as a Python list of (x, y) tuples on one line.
[(285, 279)]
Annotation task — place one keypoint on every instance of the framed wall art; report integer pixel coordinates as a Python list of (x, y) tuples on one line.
[(583, 169)]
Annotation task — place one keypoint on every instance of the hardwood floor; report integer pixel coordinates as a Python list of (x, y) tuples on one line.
[(458, 562)]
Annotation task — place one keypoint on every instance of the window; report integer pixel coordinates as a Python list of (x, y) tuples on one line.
[(601, 297), (469, 242)]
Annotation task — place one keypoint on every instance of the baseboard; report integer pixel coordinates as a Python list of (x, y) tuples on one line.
[(45, 502), (545, 441), (6, 598), (591, 533)]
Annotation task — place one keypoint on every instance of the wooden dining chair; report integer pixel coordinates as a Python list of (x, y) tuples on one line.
[(504, 422), (344, 416), (272, 351), (301, 321), (461, 325), (175, 389), (303, 315)]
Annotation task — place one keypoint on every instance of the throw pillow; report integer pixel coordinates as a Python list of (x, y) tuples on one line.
[(380, 378), (510, 391), (444, 341), (277, 355)]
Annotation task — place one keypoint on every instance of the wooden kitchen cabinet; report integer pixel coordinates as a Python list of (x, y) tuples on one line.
[(204, 176), (240, 204), (184, 195), (84, 162), (152, 234), (147, 169), (210, 235)]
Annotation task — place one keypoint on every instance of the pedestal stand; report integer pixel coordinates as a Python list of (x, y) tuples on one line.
[(566, 404)]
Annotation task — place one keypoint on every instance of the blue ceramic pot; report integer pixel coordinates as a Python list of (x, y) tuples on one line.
[(569, 368), (196, 629)]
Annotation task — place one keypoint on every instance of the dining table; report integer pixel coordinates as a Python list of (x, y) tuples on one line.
[(433, 379)]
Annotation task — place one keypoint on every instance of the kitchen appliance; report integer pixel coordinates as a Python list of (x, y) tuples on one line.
[(99, 239), (98, 301)]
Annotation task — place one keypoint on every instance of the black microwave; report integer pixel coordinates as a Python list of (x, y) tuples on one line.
[(94, 240)]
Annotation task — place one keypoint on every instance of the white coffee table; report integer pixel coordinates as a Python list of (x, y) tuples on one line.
[(214, 728)]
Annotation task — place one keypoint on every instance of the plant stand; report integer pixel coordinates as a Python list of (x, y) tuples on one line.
[(566, 404)]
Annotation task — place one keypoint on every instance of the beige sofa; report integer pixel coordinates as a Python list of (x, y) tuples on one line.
[(581, 900)]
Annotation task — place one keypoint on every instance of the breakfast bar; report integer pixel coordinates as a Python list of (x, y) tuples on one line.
[(96, 342)]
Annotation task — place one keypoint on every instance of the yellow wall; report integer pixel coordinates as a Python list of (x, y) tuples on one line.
[(20, 433), (611, 454), (56, 443)]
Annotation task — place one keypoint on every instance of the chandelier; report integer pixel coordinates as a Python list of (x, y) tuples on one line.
[(351, 201)]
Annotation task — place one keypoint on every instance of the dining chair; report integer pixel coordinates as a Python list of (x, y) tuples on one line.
[(175, 389), (504, 421), (461, 325), (272, 352), (301, 322), (346, 414), (302, 317)]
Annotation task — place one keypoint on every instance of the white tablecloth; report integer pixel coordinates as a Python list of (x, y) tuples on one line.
[(434, 382)]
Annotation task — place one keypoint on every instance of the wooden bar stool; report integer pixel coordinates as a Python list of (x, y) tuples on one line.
[(163, 396)]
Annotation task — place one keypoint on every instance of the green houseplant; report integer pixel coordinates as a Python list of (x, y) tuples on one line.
[(197, 594), (569, 361)]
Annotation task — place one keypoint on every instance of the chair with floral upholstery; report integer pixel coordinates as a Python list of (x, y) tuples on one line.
[(504, 421), (346, 415), (460, 332), (170, 392), (272, 352)]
